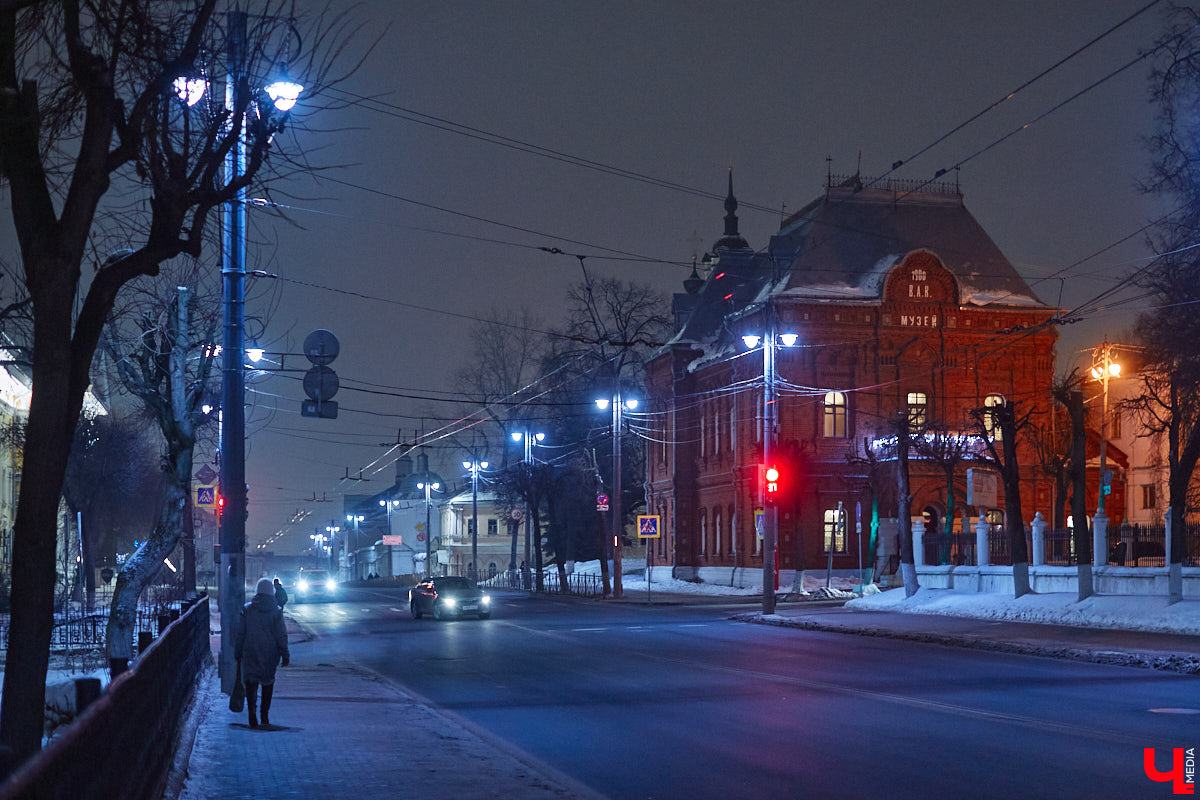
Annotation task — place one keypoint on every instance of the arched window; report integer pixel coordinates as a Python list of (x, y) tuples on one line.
[(918, 411), (716, 532), (703, 532), (835, 415), (991, 423), (729, 543)]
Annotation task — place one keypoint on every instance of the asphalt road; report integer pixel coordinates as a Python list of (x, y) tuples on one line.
[(679, 702)]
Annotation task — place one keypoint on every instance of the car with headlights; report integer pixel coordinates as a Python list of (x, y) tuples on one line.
[(314, 584), (449, 596)]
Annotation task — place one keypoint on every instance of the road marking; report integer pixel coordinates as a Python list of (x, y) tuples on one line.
[(695, 625), (397, 610), (588, 630)]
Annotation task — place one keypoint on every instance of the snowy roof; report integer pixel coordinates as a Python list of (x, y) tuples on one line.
[(841, 247)]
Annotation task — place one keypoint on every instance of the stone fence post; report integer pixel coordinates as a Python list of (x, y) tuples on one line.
[(1038, 526), (1099, 539), (981, 541)]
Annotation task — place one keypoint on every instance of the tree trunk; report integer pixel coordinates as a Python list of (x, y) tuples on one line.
[(603, 537), (1014, 523), (1079, 531), (54, 411), (908, 567)]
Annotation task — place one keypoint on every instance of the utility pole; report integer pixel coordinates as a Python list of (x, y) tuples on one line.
[(232, 592)]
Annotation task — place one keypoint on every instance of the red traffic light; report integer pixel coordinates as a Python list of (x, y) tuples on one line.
[(771, 483), (220, 505)]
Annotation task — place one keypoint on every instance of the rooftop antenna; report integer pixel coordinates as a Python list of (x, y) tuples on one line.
[(828, 172)]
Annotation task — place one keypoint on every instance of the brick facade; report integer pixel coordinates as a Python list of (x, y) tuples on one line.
[(893, 312)]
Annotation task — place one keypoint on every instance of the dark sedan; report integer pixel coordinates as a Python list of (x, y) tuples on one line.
[(448, 597)]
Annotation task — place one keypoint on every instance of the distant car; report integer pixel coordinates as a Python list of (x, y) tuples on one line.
[(449, 596), (315, 584)]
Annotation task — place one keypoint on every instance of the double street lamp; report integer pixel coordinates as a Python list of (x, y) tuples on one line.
[(428, 486), (354, 519), (529, 438), (618, 403), (474, 468), (283, 94), (770, 429)]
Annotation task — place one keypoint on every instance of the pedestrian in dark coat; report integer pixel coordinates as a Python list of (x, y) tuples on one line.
[(281, 597), (261, 644)]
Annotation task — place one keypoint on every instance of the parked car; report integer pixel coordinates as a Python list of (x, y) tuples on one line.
[(314, 584), (449, 596)]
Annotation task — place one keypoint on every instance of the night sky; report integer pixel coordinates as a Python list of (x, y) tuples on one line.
[(676, 91)]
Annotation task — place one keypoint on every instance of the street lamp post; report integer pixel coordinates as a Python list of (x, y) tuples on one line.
[(629, 403), (428, 487), (333, 531), (474, 467), (233, 377), (769, 431), (529, 438), (355, 519), (1104, 368)]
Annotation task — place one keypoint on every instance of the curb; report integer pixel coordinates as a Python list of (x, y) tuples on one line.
[(1173, 662)]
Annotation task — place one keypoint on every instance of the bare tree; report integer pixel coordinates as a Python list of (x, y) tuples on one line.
[(168, 369), (98, 154), (111, 464), (947, 451), (1169, 400), (1004, 460)]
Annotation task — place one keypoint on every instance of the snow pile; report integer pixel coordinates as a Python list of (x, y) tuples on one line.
[(632, 582), (1125, 612)]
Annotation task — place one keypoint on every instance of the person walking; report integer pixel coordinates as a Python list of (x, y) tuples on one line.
[(281, 597), (261, 644)]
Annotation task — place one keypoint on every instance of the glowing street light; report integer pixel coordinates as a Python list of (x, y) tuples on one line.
[(474, 467)]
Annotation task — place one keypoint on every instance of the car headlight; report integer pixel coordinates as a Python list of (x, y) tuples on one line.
[(486, 600), (449, 602), (302, 586), (331, 584)]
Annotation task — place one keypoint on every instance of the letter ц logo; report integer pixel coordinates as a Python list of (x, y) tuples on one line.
[(1182, 781)]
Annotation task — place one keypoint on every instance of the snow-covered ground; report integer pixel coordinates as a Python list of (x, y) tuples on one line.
[(1126, 612)]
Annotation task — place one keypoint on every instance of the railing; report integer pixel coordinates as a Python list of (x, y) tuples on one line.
[(525, 580), (122, 744), (1138, 545), (155, 611), (1060, 547)]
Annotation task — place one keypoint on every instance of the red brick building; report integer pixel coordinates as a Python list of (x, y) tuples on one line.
[(900, 303)]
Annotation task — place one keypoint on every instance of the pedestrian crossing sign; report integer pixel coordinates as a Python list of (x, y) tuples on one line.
[(206, 497), (649, 526)]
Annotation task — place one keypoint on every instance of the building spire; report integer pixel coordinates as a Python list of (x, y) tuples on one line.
[(731, 220)]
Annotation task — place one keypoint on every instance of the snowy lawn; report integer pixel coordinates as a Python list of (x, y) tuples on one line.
[(1126, 612)]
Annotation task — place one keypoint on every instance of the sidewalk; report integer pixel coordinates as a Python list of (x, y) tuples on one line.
[(1083, 639), (338, 731)]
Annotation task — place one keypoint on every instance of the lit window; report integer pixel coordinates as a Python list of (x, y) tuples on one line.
[(835, 415), (493, 527), (991, 422), (918, 408), (835, 535)]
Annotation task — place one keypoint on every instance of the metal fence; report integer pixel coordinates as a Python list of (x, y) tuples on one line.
[(1127, 546), (157, 608), (122, 744), (525, 580)]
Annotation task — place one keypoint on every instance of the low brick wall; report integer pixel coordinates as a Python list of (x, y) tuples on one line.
[(122, 744)]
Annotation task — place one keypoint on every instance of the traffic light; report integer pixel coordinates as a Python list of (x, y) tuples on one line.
[(220, 505), (771, 480)]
